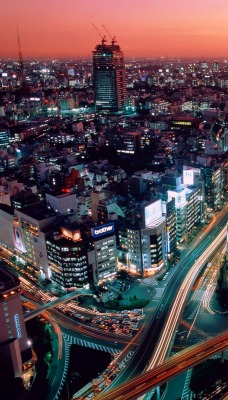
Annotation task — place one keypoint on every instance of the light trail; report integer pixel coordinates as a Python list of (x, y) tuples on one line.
[(193, 323), (199, 331), (48, 317), (58, 332), (212, 272), (174, 315), (176, 364)]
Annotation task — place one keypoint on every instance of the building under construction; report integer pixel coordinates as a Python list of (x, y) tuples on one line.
[(109, 76)]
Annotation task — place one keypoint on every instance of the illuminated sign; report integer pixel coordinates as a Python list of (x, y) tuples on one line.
[(18, 241), (182, 123), (77, 236), (188, 176), (18, 326), (74, 235), (153, 212), (180, 197), (103, 230)]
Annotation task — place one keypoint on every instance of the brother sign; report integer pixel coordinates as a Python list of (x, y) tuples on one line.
[(102, 230)]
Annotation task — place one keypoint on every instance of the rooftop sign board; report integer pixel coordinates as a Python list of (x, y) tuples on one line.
[(103, 230), (153, 211)]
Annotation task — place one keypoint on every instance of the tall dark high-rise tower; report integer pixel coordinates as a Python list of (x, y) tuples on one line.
[(109, 77)]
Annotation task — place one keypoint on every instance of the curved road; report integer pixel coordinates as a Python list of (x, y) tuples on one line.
[(180, 362), (149, 339)]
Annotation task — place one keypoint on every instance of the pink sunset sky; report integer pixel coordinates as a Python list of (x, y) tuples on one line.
[(151, 28)]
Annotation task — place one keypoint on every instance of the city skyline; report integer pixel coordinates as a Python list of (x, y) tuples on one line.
[(58, 29)]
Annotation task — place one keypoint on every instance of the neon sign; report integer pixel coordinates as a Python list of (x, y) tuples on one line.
[(18, 326)]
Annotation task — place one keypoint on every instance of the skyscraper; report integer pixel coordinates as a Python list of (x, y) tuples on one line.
[(109, 77)]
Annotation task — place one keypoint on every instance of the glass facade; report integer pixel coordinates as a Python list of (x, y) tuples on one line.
[(109, 77), (4, 138), (68, 262)]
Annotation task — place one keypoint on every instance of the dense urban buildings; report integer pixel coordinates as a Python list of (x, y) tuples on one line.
[(105, 165), (172, 131)]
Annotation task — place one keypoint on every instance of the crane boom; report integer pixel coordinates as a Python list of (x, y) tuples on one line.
[(113, 38), (103, 37)]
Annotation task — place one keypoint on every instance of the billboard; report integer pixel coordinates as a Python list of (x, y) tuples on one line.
[(152, 212), (180, 197), (103, 230), (17, 326), (18, 241), (188, 176), (74, 235)]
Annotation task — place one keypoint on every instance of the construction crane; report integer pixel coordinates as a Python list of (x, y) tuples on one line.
[(103, 37), (113, 38)]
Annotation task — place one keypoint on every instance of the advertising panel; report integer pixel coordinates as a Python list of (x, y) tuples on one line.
[(188, 176), (74, 235), (152, 212), (18, 241), (102, 230), (17, 326), (180, 199)]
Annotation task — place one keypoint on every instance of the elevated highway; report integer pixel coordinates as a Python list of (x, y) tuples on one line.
[(156, 341), (176, 364)]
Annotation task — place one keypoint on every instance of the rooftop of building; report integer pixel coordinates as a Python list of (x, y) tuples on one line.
[(7, 209), (107, 47), (62, 241), (7, 280), (185, 118), (38, 211)]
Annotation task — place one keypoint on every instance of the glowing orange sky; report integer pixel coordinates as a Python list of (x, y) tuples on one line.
[(153, 28)]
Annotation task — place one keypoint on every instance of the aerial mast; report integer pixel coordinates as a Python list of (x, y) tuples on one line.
[(24, 89), (21, 61)]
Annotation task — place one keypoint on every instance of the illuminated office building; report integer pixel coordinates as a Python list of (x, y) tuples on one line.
[(82, 257), (169, 213), (215, 66), (109, 77), (214, 184), (124, 142), (67, 257), (146, 246), (181, 212), (188, 209), (102, 255), (4, 138), (30, 226)]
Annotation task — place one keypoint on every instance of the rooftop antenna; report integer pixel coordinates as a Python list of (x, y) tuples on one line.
[(103, 37), (24, 90), (113, 38)]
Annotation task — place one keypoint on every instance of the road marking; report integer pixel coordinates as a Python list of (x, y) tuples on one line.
[(186, 394)]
